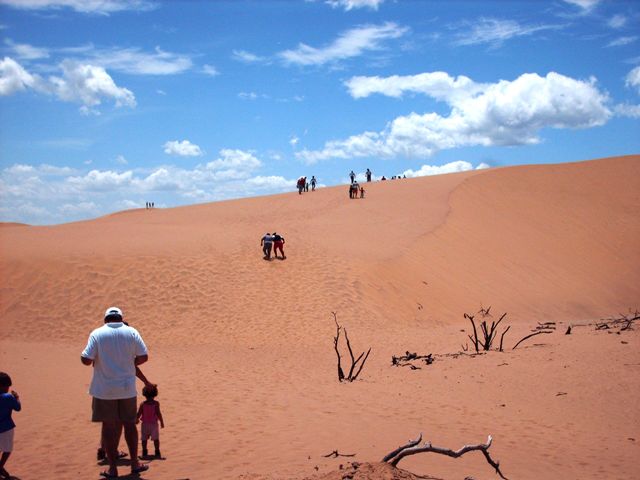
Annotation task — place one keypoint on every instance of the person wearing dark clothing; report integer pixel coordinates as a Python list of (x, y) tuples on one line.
[(278, 243), (313, 183), (352, 176), (266, 243), (368, 173)]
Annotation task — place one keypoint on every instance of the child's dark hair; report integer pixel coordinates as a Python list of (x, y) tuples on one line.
[(150, 391), (5, 380)]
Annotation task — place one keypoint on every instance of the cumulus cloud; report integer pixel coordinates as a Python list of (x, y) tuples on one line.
[(233, 164), (103, 7), (79, 83), (14, 78), (353, 4), (183, 149), (350, 43), (97, 180), (438, 85), (88, 85), (495, 31), (451, 167), (502, 113)]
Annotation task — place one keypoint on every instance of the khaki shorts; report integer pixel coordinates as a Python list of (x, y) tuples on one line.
[(6, 441), (121, 410)]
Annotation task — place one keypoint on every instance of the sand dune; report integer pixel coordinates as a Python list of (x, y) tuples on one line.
[(243, 348)]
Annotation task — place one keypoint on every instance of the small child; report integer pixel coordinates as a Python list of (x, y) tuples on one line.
[(149, 411), (361, 192), (8, 403)]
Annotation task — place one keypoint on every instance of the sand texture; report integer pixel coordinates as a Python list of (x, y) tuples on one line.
[(243, 348)]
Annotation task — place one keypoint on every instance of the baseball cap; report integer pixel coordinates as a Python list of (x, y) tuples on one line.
[(113, 311)]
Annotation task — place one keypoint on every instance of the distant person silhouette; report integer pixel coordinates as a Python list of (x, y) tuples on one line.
[(352, 176), (368, 173), (313, 183)]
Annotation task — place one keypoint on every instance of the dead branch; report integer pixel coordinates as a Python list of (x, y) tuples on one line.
[(354, 362), (411, 443), (502, 337), (488, 332), (412, 448), (529, 336), (406, 359)]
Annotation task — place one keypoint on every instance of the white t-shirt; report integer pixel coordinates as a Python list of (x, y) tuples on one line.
[(113, 348)]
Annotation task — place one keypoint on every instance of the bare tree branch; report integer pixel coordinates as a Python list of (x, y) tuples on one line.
[(411, 449), (529, 336)]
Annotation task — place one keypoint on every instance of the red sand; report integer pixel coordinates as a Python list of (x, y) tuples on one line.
[(242, 348)]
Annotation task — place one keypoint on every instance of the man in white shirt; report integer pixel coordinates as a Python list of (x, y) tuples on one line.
[(115, 350)]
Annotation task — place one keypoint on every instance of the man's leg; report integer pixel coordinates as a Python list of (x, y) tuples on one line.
[(111, 431), (131, 436)]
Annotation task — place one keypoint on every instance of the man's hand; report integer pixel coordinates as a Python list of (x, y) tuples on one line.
[(15, 394)]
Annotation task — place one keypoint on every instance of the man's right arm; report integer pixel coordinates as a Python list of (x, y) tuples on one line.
[(140, 359)]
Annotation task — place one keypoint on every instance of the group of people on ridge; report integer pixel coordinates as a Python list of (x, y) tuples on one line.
[(303, 186)]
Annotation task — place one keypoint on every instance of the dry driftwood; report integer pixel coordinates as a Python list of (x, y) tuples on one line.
[(413, 447), (353, 373)]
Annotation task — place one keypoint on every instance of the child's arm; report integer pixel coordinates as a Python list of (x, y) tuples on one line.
[(159, 413), (17, 406), (139, 414)]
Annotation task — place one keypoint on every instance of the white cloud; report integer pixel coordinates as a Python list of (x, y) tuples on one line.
[(271, 182), (120, 160), (633, 79), (183, 149), (451, 167), (100, 181), (351, 43), (248, 95), (27, 52), (134, 61), (586, 5), (503, 113), (626, 110), (352, 4), (103, 7), (233, 164), (293, 141), (88, 85), (621, 41), (248, 57), (82, 208), (210, 70), (438, 85), (14, 78), (617, 21), (494, 31)]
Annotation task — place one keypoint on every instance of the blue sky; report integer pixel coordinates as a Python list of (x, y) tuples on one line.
[(107, 104)]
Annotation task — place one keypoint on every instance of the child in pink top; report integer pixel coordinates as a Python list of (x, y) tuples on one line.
[(150, 413)]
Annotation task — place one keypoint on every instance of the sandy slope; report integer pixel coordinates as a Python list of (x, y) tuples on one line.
[(243, 348)]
